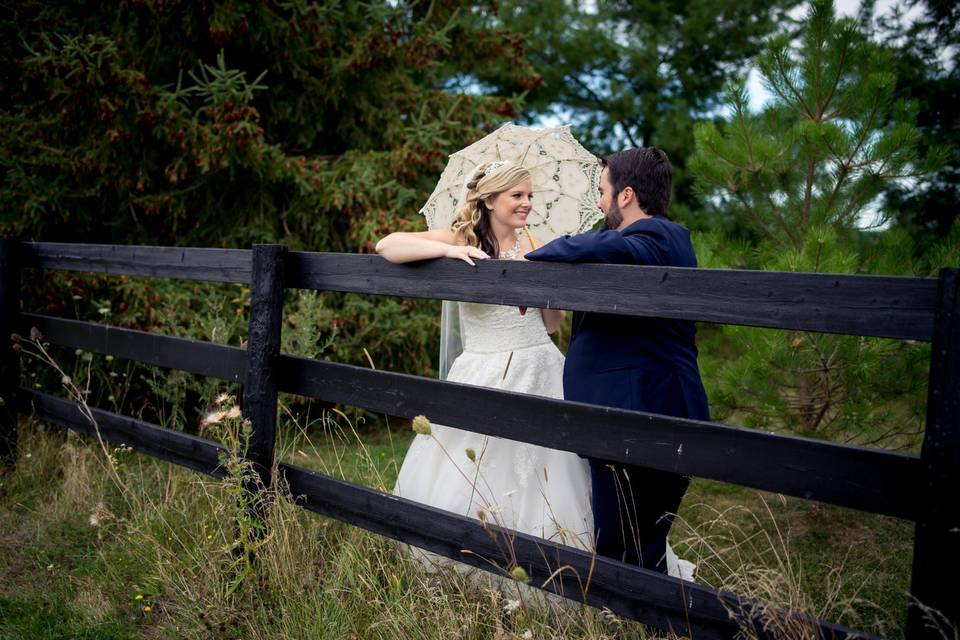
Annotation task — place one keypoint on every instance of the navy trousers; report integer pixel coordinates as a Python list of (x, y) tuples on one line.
[(633, 510)]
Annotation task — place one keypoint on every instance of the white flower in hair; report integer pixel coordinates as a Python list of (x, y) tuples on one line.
[(496, 164)]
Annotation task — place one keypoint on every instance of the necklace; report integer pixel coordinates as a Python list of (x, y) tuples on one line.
[(512, 253)]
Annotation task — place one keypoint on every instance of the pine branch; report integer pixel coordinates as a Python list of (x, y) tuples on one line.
[(836, 82), (848, 164)]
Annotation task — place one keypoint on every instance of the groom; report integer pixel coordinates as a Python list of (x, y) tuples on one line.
[(645, 364)]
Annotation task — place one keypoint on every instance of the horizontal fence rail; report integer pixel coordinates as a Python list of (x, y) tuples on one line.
[(214, 265), (193, 356), (871, 480), (876, 306), (667, 603), (173, 446)]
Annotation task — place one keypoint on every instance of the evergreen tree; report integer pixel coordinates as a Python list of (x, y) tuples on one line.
[(926, 57), (237, 121), (320, 125), (797, 180), (629, 74)]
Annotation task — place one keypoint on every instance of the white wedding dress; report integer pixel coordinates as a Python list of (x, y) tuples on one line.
[(535, 490)]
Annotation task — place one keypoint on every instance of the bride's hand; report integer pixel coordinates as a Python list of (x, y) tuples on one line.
[(465, 253)]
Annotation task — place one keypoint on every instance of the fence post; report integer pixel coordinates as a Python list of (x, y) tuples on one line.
[(9, 359), (263, 346), (936, 560)]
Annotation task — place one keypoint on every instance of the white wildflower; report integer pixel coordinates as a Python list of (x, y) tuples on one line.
[(234, 412), (527, 635), (222, 398), (214, 417), (511, 606)]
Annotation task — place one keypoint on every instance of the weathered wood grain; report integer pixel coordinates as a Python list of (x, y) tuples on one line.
[(936, 560), (263, 346), (871, 480), (652, 598), (9, 359), (882, 306), (187, 263), (173, 446), (195, 356)]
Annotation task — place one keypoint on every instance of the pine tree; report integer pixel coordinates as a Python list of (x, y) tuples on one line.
[(795, 182)]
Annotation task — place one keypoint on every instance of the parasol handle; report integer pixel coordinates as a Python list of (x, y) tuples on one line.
[(533, 243)]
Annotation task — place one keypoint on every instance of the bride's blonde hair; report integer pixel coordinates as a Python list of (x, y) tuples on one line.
[(473, 216)]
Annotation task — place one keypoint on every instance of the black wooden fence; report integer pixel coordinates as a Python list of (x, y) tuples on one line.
[(917, 488)]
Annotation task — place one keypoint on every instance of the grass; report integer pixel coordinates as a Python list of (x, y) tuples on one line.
[(167, 538)]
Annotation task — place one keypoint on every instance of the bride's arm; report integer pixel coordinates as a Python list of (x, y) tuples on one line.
[(552, 319), (402, 246)]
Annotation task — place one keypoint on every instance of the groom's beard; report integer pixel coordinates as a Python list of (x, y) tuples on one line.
[(613, 217)]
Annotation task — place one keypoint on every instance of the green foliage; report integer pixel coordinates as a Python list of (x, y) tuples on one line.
[(925, 54), (322, 126), (795, 181), (631, 74), (243, 121)]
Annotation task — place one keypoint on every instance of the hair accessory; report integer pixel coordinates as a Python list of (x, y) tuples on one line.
[(493, 166)]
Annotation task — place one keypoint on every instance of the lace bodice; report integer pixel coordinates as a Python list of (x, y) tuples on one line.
[(492, 328)]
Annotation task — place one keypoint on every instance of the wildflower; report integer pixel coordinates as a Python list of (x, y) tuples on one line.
[(209, 536), (527, 635), (109, 358), (103, 311), (422, 426), (511, 606), (233, 413), (76, 297), (471, 454), (35, 334), (147, 609), (88, 357), (66, 380), (78, 352), (214, 417), (223, 398), (139, 596), (519, 574)]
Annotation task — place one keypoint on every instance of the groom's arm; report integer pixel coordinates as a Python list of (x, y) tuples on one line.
[(645, 247)]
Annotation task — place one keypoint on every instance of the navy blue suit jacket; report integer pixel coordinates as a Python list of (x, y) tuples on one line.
[(646, 364)]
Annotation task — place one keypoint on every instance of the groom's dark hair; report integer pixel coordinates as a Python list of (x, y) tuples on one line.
[(648, 172)]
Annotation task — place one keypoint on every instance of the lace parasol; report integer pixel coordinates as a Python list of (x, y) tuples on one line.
[(565, 179)]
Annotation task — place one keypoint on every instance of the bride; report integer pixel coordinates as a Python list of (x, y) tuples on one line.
[(528, 488)]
